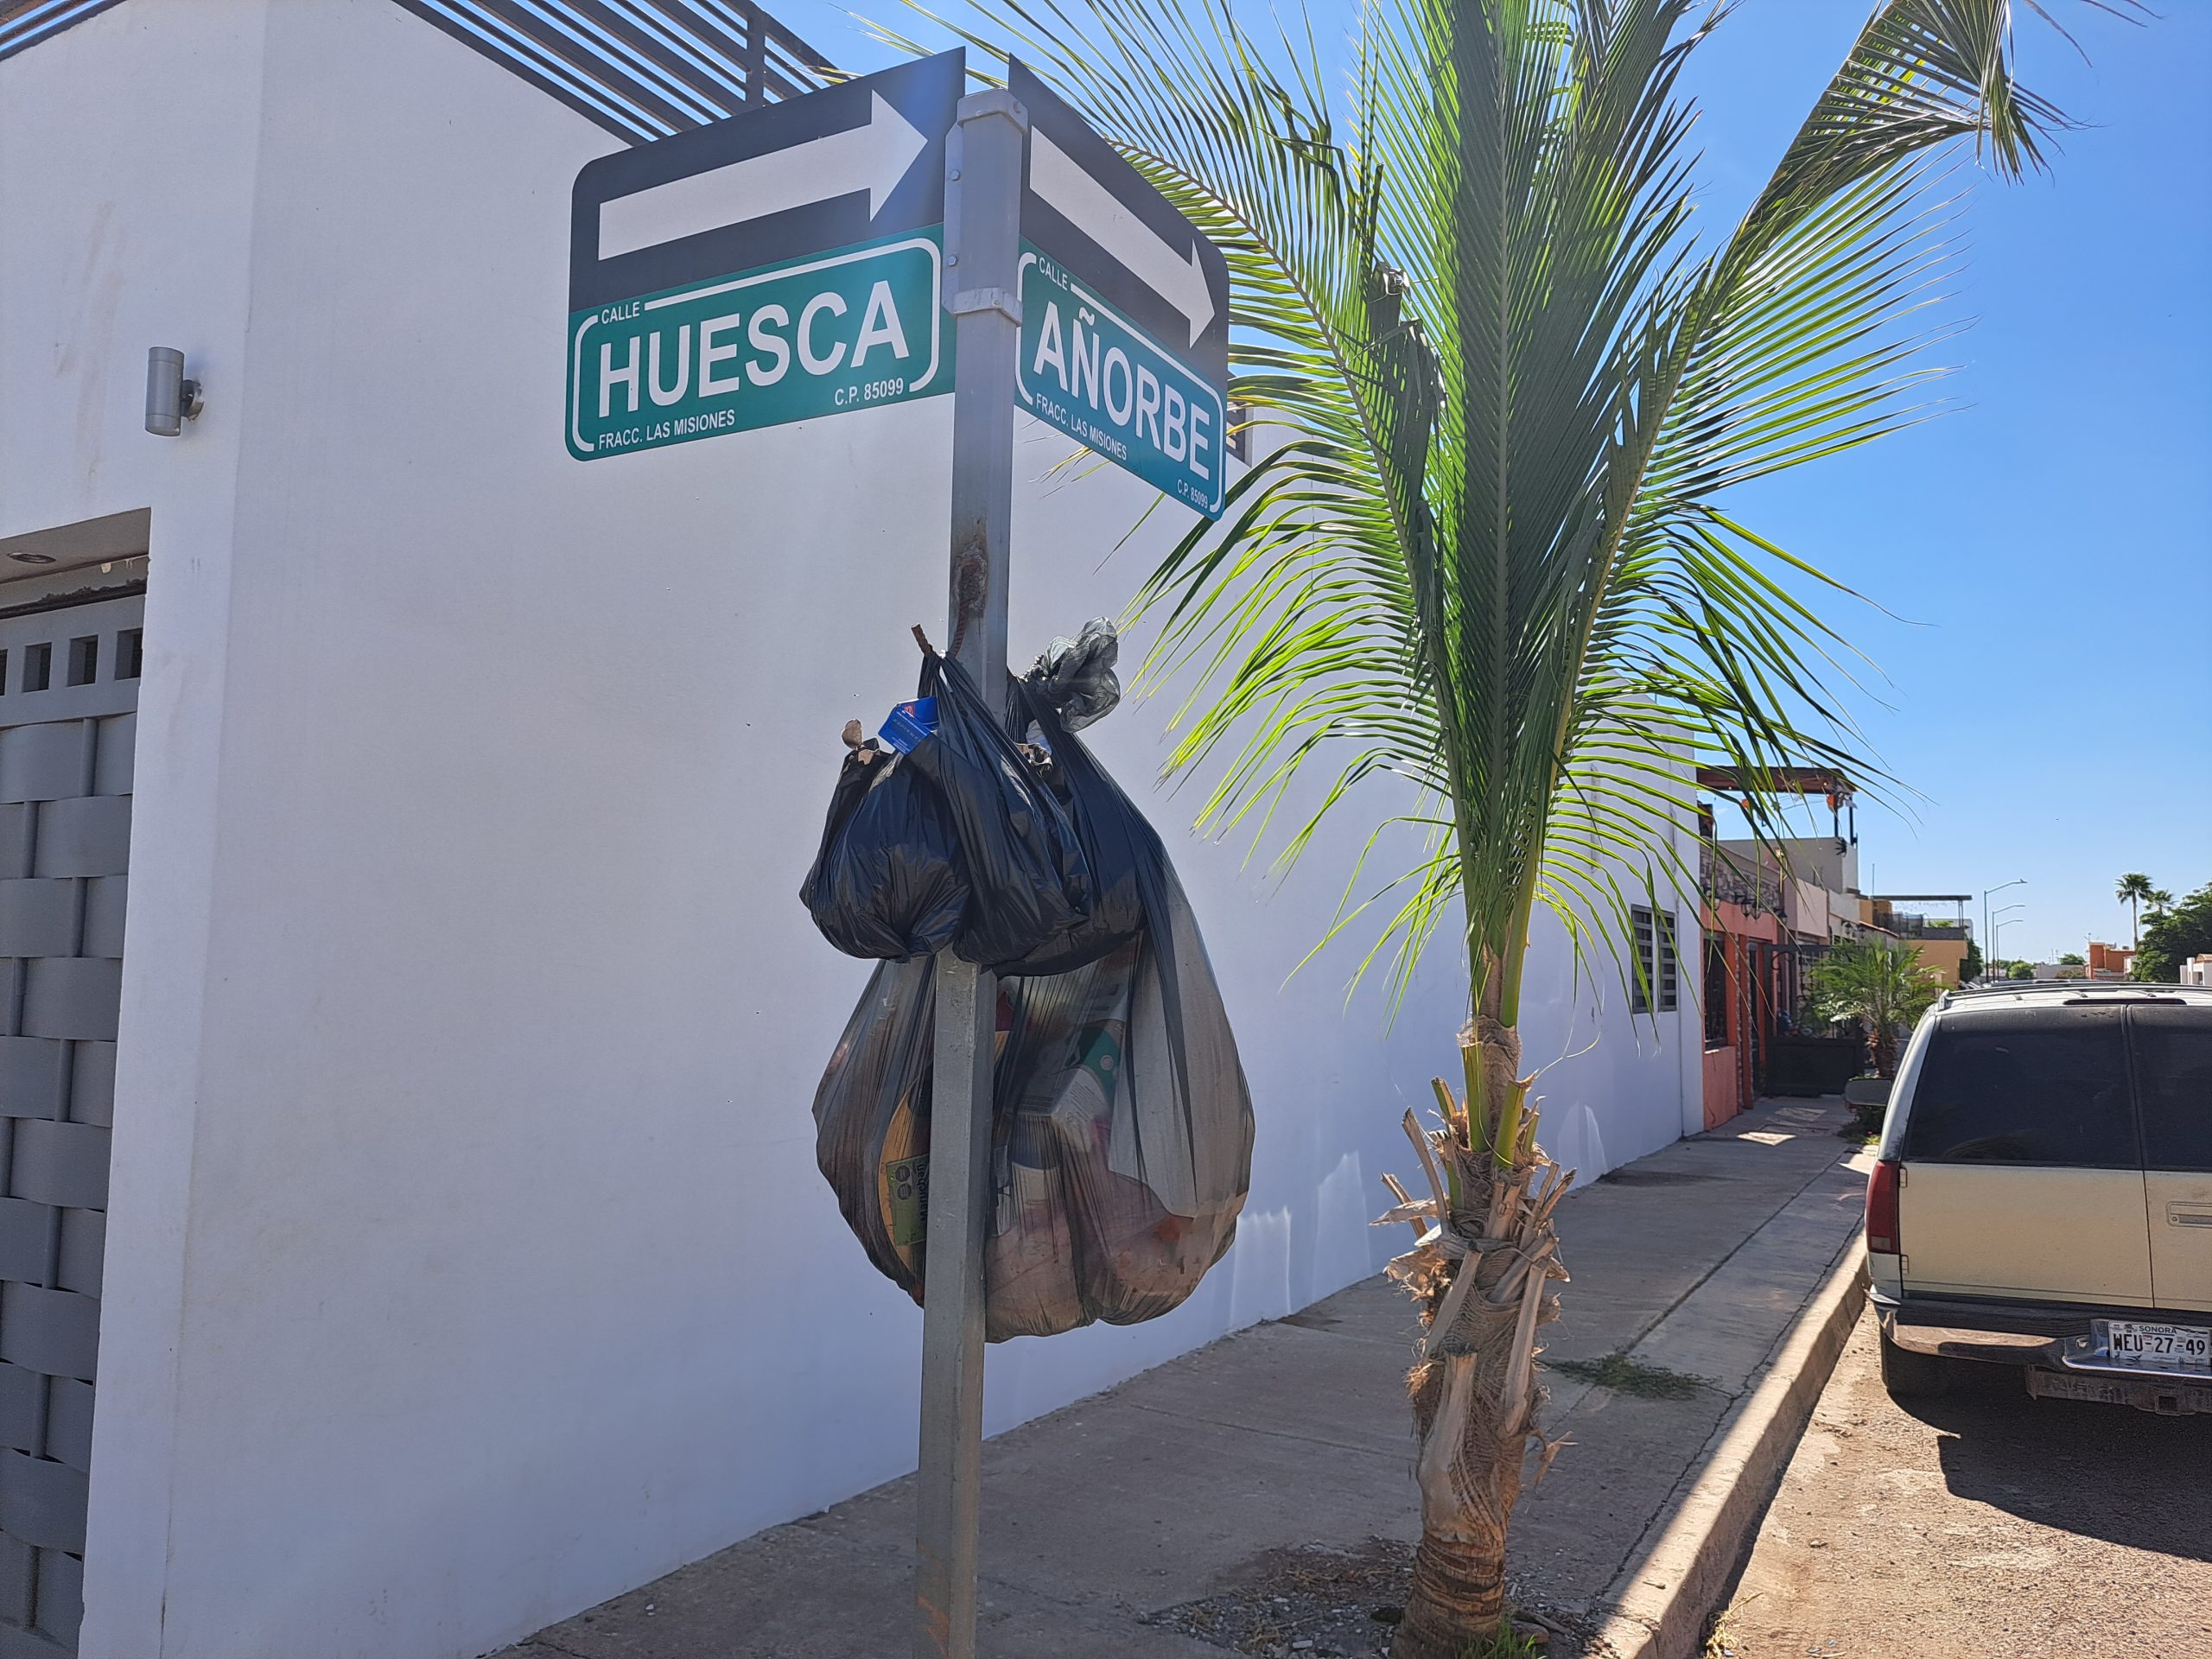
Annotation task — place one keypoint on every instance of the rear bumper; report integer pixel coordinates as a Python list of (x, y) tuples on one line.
[(2056, 1336)]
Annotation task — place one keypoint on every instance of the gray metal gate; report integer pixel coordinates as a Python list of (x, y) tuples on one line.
[(68, 701)]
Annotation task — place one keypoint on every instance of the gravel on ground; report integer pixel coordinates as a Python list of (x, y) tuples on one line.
[(1336, 1604)]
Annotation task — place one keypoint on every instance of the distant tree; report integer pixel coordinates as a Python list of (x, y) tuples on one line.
[(2071, 972), (2158, 901), (1970, 965), (2135, 888), (2173, 937), (2073, 959), (1886, 988), (2023, 971)]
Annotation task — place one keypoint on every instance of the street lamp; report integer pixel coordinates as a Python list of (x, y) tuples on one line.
[(1997, 924), (1986, 892)]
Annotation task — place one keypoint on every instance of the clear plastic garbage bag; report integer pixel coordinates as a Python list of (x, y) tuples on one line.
[(1075, 677), (1122, 1130)]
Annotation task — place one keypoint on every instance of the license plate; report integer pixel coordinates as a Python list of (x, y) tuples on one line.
[(2157, 1347)]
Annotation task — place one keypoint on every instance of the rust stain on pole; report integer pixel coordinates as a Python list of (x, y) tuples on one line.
[(971, 586)]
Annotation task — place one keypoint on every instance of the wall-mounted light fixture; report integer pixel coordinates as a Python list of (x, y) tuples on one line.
[(171, 400)]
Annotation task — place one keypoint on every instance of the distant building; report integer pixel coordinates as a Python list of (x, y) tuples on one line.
[(1751, 980), (2110, 961), (2197, 970), (1770, 912), (1942, 940)]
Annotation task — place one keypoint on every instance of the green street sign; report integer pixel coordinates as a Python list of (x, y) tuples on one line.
[(779, 266), (843, 331), (1088, 370)]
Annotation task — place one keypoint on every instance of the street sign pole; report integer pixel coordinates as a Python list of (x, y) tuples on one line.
[(983, 173)]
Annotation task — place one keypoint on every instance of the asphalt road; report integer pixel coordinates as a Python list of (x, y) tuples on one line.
[(1990, 1525)]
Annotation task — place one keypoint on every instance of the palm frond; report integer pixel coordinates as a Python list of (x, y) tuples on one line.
[(1490, 552)]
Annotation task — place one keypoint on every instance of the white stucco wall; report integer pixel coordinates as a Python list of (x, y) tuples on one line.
[(124, 223), (1607, 1103), (467, 1262)]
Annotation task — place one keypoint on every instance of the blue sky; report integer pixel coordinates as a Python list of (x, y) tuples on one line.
[(2045, 680)]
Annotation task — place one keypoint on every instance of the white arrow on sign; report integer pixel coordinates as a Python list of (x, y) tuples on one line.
[(1098, 214), (875, 158)]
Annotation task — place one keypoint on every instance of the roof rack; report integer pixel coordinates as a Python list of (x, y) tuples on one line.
[(2076, 989)]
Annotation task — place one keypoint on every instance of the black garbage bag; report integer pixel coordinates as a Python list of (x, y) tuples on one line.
[(1122, 1130), (1029, 881), (889, 880), (960, 841), (1075, 677), (1121, 851)]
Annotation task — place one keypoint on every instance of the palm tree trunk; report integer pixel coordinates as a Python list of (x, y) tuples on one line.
[(1483, 1278)]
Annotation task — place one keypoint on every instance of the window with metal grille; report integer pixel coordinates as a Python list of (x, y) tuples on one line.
[(1657, 974), (1716, 993)]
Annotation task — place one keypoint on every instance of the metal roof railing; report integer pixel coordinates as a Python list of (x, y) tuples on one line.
[(2098, 990), (642, 69)]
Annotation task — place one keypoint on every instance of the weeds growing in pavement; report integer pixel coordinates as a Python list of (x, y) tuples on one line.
[(1626, 1376)]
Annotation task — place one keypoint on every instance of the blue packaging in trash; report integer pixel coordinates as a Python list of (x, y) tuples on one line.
[(909, 723)]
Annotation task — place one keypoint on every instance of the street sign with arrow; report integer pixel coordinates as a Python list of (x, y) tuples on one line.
[(823, 255), (1124, 309), (779, 266)]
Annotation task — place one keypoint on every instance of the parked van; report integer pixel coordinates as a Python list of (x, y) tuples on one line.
[(2044, 1196)]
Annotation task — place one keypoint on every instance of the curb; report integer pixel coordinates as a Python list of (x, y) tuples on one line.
[(1663, 1598)]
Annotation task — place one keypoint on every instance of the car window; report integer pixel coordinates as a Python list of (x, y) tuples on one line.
[(2024, 1086), (2173, 1077)]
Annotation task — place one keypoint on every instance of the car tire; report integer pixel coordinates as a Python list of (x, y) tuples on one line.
[(1910, 1376)]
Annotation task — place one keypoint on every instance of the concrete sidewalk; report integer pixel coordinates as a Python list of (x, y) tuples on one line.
[(1256, 1495)]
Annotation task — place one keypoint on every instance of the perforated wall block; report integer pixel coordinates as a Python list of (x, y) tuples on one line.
[(18, 824), (90, 835), (91, 1090), (61, 1164), (43, 1503), (44, 763), (84, 1251), (23, 1402), (105, 897), (56, 1332), (18, 1567), (67, 759), (69, 1422), (60, 1595), (25, 1237), (72, 997), (119, 742), (31, 1644), (38, 918), (32, 1076)]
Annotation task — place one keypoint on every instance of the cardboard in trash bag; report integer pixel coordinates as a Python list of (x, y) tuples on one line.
[(1122, 1130)]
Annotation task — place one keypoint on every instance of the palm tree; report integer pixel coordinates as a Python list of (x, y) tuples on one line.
[(2157, 901), (1884, 988), (2135, 888), (1491, 555)]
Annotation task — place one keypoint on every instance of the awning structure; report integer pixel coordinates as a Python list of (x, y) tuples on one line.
[(640, 68), (1788, 780)]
